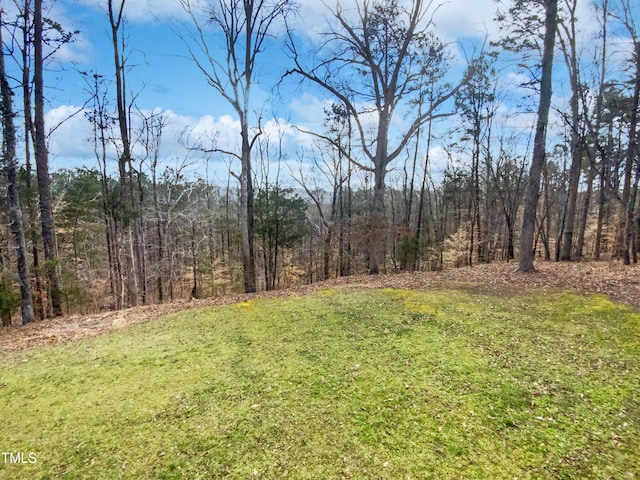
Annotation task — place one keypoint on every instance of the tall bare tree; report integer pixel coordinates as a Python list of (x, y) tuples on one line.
[(101, 121), (532, 192), (126, 208), (25, 24), (629, 195), (476, 103), (42, 162), (530, 32), (13, 200), (54, 37), (245, 25), (593, 121), (376, 66), (567, 39)]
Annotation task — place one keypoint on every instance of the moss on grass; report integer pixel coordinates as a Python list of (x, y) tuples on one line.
[(359, 384)]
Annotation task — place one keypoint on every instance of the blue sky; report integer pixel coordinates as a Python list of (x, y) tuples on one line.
[(165, 80)]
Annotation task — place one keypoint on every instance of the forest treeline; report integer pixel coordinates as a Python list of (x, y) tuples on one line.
[(137, 229)]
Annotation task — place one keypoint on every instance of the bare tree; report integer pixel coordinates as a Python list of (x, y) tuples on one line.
[(13, 200), (476, 102), (116, 18), (29, 27), (376, 66), (25, 47), (101, 121), (153, 128), (522, 22), (126, 208), (329, 165), (246, 25), (507, 178), (42, 162), (567, 38), (539, 146), (626, 17)]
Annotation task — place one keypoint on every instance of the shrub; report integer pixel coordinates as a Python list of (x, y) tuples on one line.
[(9, 300)]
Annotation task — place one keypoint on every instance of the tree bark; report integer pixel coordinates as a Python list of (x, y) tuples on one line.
[(32, 215), (632, 159), (377, 224), (570, 54), (526, 254), (13, 200), (595, 133), (124, 224), (584, 215), (42, 165), (246, 212)]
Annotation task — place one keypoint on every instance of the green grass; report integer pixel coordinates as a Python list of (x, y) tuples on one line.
[(355, 384)]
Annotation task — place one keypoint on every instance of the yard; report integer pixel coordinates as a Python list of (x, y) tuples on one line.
[(341, 382)]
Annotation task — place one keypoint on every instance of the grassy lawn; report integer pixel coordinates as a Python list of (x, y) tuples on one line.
[(339, 384)]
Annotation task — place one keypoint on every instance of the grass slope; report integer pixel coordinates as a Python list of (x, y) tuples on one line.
[(339, 384)]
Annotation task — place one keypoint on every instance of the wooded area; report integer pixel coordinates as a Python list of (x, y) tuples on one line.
[(564, 188)]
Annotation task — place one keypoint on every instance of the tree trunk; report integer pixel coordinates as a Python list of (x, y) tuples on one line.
[(601, 208), (511, 233), (636, 244), (141, 251), (246, 213), (42, 165), (537, 163), (630, 236), (326, 269), (13, 200), (632, 153), (568, 47), (423, 187), (194, 262), (377, 221), (595, 133), (476, 225), (410, 256), (345, 225), (585, 213), (159, 234), (125, 194), (572, 198), (39, 307), (345, 263), (377, 224)]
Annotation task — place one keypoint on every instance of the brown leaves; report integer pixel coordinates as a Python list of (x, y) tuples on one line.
[(621, 283)]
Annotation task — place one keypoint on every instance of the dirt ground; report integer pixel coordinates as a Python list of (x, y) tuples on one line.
[(620, 283)]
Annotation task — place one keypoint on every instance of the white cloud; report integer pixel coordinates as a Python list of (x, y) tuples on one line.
[(183, 137), (466, 18), (71, 132), (71, 142), (309, 109), (73, 51), (509, 117), (440, 159), (453, 19), (143, 11)]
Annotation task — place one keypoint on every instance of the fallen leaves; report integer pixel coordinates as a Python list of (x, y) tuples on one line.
[(617, 281)]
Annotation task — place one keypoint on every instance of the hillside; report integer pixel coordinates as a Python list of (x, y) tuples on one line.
[(620, 283), (342, 382)]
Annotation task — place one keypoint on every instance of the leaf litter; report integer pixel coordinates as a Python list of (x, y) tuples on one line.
[(618, 282)]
